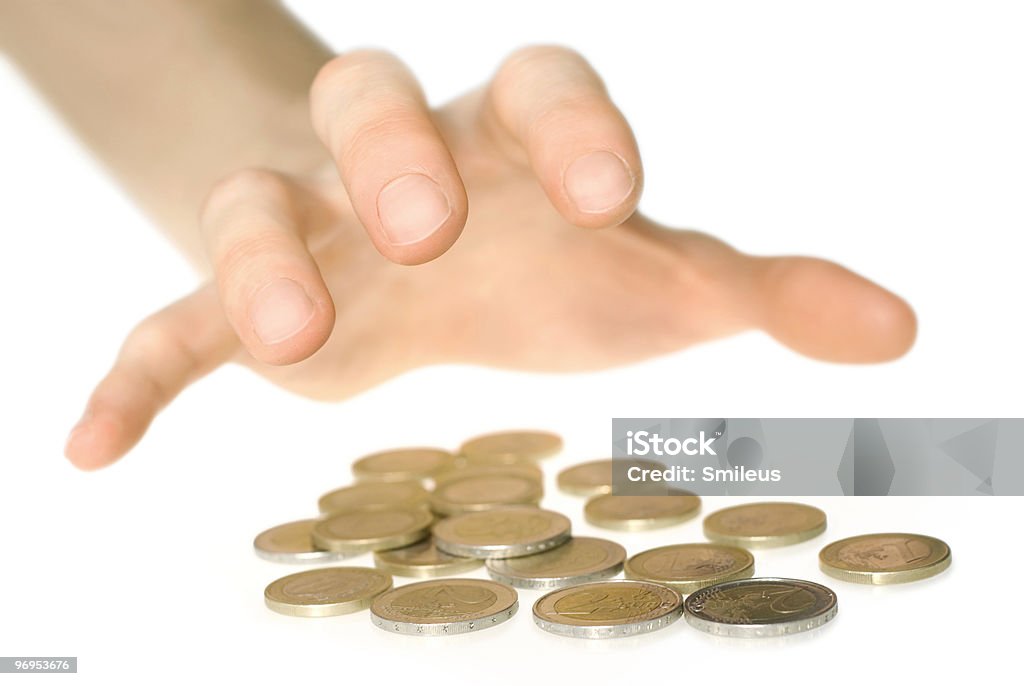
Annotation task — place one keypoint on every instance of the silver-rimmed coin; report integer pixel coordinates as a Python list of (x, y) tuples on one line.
[(641, 512), (362, 531), (443, 607), (765, 525), (326, 592), (689, 567), (293, 543), (576, 561), (423, 559), (756, 608), (608, 609), (373, 496), (503, 532)]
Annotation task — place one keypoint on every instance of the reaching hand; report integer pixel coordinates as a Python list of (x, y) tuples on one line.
[(516, 203)]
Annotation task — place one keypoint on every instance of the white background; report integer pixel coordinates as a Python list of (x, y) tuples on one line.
[(886, 135)]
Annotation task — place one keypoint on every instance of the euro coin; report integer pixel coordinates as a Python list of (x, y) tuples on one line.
[(885, 558), (423, 559), (526, 470), (502, 532), (596, 477), (406, 464), (326, 592), (608, 609), (754, 608), (764, 525), (292, 542), (534, 445), (475, 492), (369, 496), (641, 512), (577, 561), (361, 531), (442, 607), (689, 567)]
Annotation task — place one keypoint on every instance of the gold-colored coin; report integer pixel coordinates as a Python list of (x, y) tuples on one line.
[(689, 567), (423, 559), (406, 464), (641, 512), (361, 531), (443, 607), (579, 560), (326, 592), (608, 609), (502, 532), (885, 558), (596, 478), (529, 470), (292, 542), (764, 525), (475, 492), (370, 496), (534, 445)]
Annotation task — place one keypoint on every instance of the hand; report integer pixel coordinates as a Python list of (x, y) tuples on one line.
[(554, 270)]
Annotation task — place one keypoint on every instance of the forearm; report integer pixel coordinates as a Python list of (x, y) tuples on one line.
[(173, 95)]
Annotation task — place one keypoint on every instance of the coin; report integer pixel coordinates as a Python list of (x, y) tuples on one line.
[(423, 559), (292, 542), (406, 464), (527, 470), (326, 592), (641, 512), (367, 496), (574, 562), (885, 558), (534, 445), (596, 477), (608, 609), (475, 492), (442, 607), (502, 532), (689, 567), (361, 531), (748, 608), (764, 525)]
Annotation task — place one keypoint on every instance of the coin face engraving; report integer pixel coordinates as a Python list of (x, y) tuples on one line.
[(607, 604), (765, 524), (564, 559), (326, 591), (325, 588), (446, 600), (885, 558), (500, 526), (635, 512), (761, 607), (355, 525), (607, 609), (373, 495), (498, 487), (502, 533)]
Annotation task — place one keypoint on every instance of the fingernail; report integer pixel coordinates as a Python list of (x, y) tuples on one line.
[(280, 310), (598, 181), (411, 208)]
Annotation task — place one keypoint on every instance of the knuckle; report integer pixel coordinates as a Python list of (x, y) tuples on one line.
[(237, 186)]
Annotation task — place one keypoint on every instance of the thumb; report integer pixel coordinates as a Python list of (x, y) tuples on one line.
[(163, 354)]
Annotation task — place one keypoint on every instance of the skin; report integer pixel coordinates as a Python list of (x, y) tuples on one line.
[(536, 263)]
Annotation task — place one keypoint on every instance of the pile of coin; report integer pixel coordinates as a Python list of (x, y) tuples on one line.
[(428, 512)]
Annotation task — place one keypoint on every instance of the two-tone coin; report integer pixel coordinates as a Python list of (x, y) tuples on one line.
[(764, 525), (577, 561), (597, 477), (502, 532), (370, 496), (423, 559), (405, 464), (292, 542), (484, 491), (361, 531), (885, 558), (608, 609), (443, 607), (326, 592), (641, 512), (762, 607), (525, 469), (534, 445), (689, 567)]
